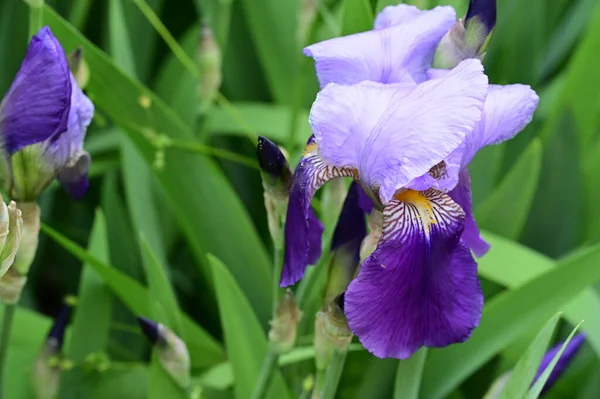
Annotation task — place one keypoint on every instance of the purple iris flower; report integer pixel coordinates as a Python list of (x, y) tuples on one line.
[(563, 362), (406, 133), (43, 120)]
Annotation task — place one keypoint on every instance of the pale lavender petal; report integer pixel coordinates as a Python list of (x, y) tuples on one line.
[(302, 228), (563, 362), (419, 287), (397, 15), (395, 133), (507, 110), (397, 54), (471, 236), (36, 106)]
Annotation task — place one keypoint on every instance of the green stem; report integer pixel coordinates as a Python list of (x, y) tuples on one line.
[(277, 265), (266, 373), (333, 375), (7, 321), (36, 19)]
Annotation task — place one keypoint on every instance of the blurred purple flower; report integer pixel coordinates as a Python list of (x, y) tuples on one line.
[(406, 133), (43, 118), (563, 362)]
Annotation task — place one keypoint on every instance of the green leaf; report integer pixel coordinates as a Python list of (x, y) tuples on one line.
[(245, 340), (163, 301), (408, 376), (161, 384), (512, 265), (122, 381), (209, 212), (524, 371), (504, 212), (507, 316), (536, 389), (90, 326), (204, 350), (357, 16)]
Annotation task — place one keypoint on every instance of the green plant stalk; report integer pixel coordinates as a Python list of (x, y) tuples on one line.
[(266, 373), (7, 321), (333, 375)]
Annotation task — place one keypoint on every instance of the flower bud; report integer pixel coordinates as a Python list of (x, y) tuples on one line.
[(79, 68), (30, 236), (283, 326), (468, 38), (209, 63), (47, 367), (349, 233), (11, 230), (331, 332), (277, 181), (170, 349)]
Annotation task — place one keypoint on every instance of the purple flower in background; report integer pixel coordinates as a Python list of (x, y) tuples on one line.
[(563, 362), (406, 133), (43, 120)]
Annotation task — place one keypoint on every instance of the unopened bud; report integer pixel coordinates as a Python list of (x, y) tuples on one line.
[(468, 38), (372, 239), (283, 326), (209, 64), (277, 181), (11, 231), (349, 233), (48, 364), (331, 332), (171, 350), (31, 213), (79, 68)]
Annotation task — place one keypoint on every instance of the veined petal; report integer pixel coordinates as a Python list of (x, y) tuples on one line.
[(395, 133), (507, 110), (471, 236), (36, 106), (302, 228), (401, 53), (419, 287), (399, 14)]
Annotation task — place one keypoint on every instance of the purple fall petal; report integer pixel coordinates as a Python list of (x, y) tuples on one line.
[(303, 230), (566, 358), (351, 226), (397, 54), (36, 106), (471, 236), (419, 287)]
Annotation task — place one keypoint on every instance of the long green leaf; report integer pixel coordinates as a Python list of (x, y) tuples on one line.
[(210, 214), (204, 350), (245, 340), (508, 316), (408, 376), (357, 16), (522, 374)]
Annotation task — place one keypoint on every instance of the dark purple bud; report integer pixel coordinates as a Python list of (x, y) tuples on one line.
[(151, 329), (57, 332), (484, 11), (566, 358), (274, 167)]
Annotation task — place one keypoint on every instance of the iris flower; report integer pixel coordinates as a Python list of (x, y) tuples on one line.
[(43, 121), (406, 133)]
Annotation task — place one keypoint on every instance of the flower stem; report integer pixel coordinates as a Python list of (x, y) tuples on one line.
[(333, 375), (266, 373), (277, 265), (6, 329), (36, 18)]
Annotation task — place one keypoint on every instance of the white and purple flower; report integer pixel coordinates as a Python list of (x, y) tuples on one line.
[(406, 133), (43, 121)]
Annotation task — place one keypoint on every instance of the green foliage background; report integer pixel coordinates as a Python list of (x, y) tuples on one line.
[(186, 242)]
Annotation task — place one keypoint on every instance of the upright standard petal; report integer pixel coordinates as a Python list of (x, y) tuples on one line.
[(394, 133), (397, 54), (397, 15), (419, 287), (471, 236), (36, 106), (302, 228)]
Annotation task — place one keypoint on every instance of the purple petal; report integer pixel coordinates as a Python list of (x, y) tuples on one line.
[(36, 106), (302, 228), (395, 133), (471, 236), (365, 203), (563, 362), (484, 11), (507, 110), (351, 227), (419, 287), (68, 145), (74, 177), (398, 54), (397, 15)]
